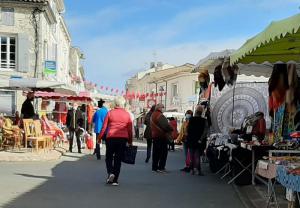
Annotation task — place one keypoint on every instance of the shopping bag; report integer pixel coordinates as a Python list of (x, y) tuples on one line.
[(90, 143), (129, 155)]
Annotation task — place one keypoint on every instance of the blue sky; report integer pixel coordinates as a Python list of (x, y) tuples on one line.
[(119, 37)]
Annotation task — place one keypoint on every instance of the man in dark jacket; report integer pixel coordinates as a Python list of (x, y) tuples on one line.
[(196, 140), (148, 133), (160, 129), (74, 123), (27, 110)]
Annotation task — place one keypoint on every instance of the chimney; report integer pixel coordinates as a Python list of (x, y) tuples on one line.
[(159, 65), (152, 65)]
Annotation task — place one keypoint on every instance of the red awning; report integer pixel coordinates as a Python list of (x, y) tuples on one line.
[(84, 96)]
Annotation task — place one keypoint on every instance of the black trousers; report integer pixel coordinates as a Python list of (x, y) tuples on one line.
[(171, 146), (115, 148), (160, 154), (97, 149), (149, 148), (72, 134)]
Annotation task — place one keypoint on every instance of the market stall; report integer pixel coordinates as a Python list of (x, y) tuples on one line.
[(279, 44)]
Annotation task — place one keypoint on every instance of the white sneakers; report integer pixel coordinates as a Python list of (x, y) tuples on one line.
[(110, 179)]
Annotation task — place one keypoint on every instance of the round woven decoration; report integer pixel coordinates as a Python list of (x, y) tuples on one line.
[(246, 102)]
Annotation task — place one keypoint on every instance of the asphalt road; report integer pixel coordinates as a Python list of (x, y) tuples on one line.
[(78, 181)]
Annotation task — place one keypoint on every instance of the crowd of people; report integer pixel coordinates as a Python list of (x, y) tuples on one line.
[(116, 128), (192, 135)]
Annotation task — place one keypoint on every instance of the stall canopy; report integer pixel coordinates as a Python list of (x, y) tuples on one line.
[(280, 41), (216, 58), (212, 60), (35, 84)]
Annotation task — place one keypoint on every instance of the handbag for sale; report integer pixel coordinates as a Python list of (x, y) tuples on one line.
[(129, 155)]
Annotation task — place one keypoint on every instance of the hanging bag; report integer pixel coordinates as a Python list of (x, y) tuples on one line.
[(129, 155)]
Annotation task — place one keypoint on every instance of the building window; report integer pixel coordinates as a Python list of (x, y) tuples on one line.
[(8, 16), (174, 90), (8, 53)]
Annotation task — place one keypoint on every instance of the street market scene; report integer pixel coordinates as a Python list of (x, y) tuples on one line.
[(150, 103)]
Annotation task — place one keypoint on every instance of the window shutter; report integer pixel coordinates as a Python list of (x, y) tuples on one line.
[(23, 53), (8, 16)]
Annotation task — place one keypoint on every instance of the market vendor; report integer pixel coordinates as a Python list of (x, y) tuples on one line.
[(27, 110)]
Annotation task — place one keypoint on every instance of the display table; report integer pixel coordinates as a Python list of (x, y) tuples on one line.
[(257, 151), (287, 180)]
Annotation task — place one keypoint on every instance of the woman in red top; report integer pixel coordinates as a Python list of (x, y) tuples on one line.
[(118, 128)]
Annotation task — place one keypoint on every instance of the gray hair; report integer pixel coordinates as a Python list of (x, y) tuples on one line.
[(119, 101), (159, 106)]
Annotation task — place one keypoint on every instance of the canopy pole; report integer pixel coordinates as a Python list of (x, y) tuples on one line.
[(233, 95)]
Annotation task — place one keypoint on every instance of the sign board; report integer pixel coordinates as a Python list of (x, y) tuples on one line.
[(50, 67)]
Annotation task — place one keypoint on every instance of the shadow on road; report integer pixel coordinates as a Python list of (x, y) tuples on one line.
[(81, 183)]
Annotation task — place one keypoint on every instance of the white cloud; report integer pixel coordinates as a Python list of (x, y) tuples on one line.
[(111, 58), (119, 61)]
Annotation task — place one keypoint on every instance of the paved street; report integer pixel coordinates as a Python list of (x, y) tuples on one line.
[(79, 181)]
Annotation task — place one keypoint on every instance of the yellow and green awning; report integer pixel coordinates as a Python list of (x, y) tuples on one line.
[(280, 41)]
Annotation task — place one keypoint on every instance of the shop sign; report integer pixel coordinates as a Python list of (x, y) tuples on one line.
[(50, 67)]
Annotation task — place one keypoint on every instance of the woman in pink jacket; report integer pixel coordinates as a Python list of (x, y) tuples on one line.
[(118, 128)]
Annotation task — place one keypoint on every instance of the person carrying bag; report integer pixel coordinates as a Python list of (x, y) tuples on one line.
[(130, 155)]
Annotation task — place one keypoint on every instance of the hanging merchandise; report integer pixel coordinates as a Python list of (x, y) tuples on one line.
[(224, 70), (278, 85), (233, 72), (90, 113), (218, 78), (204, 79), (278, 124), (292, 94), (61, 112)]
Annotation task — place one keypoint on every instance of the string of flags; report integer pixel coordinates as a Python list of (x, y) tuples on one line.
[(128, 95)]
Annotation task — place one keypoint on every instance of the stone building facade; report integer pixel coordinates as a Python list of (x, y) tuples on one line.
[(174, 86), (34, 37)]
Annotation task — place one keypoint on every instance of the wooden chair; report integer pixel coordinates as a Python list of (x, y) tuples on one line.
[(33, 133), (28, 129), (39, 134), (11, 135)]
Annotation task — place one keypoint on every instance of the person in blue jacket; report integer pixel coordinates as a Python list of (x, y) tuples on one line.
[(98, 120)]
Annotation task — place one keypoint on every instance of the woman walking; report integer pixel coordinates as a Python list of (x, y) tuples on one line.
[(148, 134), (196, 141), (118, 125)]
